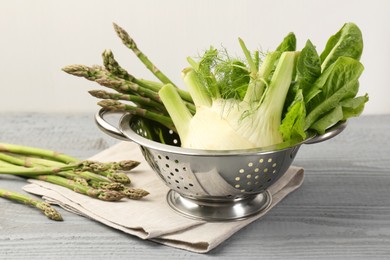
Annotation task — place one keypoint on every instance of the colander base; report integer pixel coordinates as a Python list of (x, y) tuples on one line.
[(219, 210)]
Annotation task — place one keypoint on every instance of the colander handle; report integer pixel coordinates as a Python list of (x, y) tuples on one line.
[(330, 133), (106, 127)]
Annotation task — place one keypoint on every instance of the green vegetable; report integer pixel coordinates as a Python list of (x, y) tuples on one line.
[(243, 102), (217, 119), (86, 177), (46, 209), (329, 83), (339, 82), (348, 42)]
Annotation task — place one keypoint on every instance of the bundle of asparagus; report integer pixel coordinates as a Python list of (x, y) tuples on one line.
[(142, 94), (104, 181)]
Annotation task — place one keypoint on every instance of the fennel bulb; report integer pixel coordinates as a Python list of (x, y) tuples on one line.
[(229, 124)]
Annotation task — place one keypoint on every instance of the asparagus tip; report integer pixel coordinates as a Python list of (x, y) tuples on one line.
[(127, 165), (110, 104), (49, 211), (135, 194), (119, 177), (110, 195)]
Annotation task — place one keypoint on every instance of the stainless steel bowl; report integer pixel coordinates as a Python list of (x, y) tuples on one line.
[(210, 185)]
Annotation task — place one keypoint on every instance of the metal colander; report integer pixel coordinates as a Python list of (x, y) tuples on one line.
[(210, 185)]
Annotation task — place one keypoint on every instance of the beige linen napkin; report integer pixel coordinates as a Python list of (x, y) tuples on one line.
[(151, 217)]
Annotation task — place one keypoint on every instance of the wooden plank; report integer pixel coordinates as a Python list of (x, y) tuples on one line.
[(342, 211)]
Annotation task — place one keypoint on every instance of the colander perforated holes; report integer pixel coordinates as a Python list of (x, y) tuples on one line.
[(175, 173), (255, 174), (141, 132), (175, 141)]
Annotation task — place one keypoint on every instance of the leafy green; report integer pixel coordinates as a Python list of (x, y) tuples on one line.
[(329, 89), (353, 106), (289, 43), (308, 67), (293, 123), (308, 71), (347, 42), (339, 82), (348, 108)]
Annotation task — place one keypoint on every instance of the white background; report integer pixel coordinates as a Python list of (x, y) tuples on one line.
[(39, 37)]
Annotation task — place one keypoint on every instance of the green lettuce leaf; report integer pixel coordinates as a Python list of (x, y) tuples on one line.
[(347, 42), (289, 43), (292, 126), (339, 82), (308, 67), (348, 108)]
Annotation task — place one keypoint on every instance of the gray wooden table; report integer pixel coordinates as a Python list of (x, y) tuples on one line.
[(342, 211)]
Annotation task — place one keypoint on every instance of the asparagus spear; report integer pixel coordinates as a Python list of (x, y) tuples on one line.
[(34, 171), (41, 162), (105, 178), (114, 105), (106, 195), (37, 166), (106, 79), (107, 185), (125, 165), (127, 97), (129, 42), (49, 211), (27, 150), (12, 160), (145, 103), (110, 170), (135, 194), (81, 170), (113, 66), (131, 193)]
